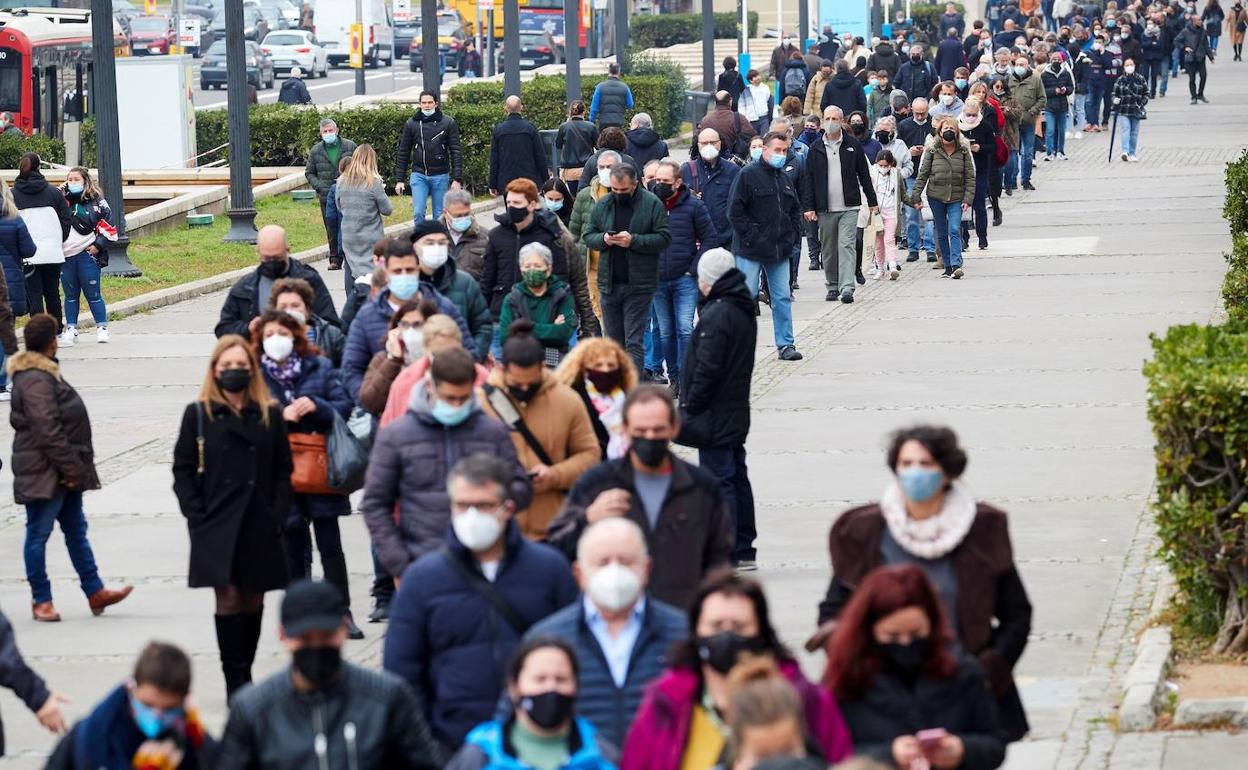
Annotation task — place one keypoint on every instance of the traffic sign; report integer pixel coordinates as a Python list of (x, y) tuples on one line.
[(188, 33), (402, 10), (356, 58)]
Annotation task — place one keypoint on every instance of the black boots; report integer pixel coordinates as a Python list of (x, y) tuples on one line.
[(237, 638), (335, 567)]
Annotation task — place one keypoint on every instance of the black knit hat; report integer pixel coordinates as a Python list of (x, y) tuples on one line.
[(428, 227)]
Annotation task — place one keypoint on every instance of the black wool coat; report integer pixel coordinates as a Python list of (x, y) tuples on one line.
[(718, 367), (236, 509)]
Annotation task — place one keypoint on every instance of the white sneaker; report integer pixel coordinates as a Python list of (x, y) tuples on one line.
[(893, 271), (1061, 156), (5, 395), (101, 334), (876, 273), (1069, 134), (1132, 159), (66, 340), (1078, 134), (1048, 158)]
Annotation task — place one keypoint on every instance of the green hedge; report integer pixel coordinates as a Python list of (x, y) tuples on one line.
[(660, 31), (1235, 285), (926, 19), (1198, 405), (12, 147)]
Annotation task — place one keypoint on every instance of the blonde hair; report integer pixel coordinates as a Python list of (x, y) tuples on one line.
[(90, 190), (210, 392), (440, 325), (946, 120), (572, 370), (760, 696), (8, 207), (362, 170)]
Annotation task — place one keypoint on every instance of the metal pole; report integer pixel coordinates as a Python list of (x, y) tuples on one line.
[(621, 31), (511, 47), (107, 136), (360, 87), (429, 47), (572, 47), (743, 29), (803, 23), (242, 211), (708, 45), (492, 64)]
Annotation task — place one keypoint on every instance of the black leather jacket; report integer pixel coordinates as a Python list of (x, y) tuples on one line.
[(368, 719)]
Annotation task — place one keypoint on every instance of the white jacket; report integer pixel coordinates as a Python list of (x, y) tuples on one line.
[(45, 229)]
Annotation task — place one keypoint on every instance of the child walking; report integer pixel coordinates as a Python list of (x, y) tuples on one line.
[(887, 181)]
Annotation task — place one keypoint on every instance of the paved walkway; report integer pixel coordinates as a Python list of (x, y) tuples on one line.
[(1034, 358)]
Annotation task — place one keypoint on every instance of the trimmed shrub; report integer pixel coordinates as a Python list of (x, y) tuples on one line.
[(12, 147), (660, 31), (1198, 405), (1235, 285)]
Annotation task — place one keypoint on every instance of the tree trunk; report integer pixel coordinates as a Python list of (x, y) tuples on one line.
[(1232, 637)]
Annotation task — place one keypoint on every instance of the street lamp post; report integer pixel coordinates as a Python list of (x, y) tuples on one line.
[(359, 73), (511, 47), (107, 135), (621, 31), (429, 47), (242, 211), (572, 47), (708, 45)]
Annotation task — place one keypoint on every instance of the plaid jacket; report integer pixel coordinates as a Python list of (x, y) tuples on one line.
[(1130, 96)]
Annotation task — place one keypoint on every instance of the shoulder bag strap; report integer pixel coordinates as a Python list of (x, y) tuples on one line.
[(487, 591), (693, 176), (510, 415), (199, 435)]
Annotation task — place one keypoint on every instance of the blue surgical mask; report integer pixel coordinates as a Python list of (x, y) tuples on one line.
[(461, 224), (151, 722), (552, 205), (75, 188), (428, 113), (960, 82), (329, 138), (920, 484), (756, 153), (776, 161), (1020, 71), (448, 415), (404, 286)]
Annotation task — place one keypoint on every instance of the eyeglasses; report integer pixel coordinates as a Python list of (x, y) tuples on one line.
[(405, 325)]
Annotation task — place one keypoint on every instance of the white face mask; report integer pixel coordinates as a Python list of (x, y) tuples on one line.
[(1129, 69), (297, 315), (433, 255), (709, 152), (413, 344), (476, 529), (946, 99), (278, 347), (614, 587), (604, 177)]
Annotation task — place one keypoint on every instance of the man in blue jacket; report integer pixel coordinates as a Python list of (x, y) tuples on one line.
[(709, 178), (462, 610), (620, 634)]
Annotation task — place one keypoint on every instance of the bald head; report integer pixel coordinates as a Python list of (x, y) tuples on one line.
[(513, 105), (613, 565), (271, 243), (612, 535)]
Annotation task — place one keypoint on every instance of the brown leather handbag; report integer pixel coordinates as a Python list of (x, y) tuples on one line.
[(311, 460)]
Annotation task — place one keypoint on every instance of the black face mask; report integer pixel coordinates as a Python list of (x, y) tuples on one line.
[(548, 710), (916, 57), (723, 650), (604, 382), (319, 665), (273, 268), (948, 135), (517, 214), (525, 393), (906, 659), (663, 190), (234, 380), (885, 137), (623, 197), (651, 451), (858, 129)]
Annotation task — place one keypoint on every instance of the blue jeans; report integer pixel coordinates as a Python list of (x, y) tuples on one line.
[(1010, 180), (1026, 150), (80, 274), (41, 516), (673, 304), (1213, 42), (915, 225), (4, 375), (1078, 119), (1093, 105), (1175, 58), (948, 220), (781, 298), (1055, 132), (1130, 134), (425, 187), (727, 465), (654, 352)]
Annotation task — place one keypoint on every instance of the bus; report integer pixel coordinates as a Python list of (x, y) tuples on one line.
[(528, 10), (45, 66)]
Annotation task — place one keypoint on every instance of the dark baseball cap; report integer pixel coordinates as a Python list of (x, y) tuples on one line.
[(312, 605)]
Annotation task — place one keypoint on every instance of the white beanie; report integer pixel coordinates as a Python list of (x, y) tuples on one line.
[(714, 265)]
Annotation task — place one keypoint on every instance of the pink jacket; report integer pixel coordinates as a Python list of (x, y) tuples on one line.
[(657, 738), (401, 390)]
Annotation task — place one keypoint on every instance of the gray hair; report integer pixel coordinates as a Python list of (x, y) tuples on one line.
[(615, 529), (481, 469), (673, 164), (642, 120), (326, 122), (886, 119), (715, 264), (610, 155), (456, 197), (898, 97), (538, 249)]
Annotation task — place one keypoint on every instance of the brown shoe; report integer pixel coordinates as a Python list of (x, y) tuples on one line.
[(44, 612), (106, 597)]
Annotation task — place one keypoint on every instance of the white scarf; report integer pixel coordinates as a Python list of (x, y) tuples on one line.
[(934, 537)]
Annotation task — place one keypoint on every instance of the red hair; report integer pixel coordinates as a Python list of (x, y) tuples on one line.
[(525, 187), (853, 654)]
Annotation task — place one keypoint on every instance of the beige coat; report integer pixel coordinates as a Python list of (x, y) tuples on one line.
[(814, 95)]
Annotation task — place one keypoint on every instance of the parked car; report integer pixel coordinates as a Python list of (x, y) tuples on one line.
[(259, 67), (452, 32), (404, 33), (255, 26), (296, 48), (535, 51), (151, 35)]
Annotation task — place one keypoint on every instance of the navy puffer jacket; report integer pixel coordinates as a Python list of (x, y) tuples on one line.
[(693, 233), (16, 245), (450, 644)]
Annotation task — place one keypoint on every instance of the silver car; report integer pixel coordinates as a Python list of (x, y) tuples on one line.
[(296, 48)]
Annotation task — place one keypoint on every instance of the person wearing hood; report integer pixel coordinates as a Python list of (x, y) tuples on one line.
[(793, 78), (468, 239), (1027, 88), (524, 221), (644, 143), (431, 241), (945, 101), (843, 91), (46, 213), (885, 58), (293, 90), (814, 89), (551, 430), (410, 457), (464, 605), (429, 145)]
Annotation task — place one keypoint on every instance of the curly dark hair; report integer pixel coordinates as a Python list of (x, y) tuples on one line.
[(942, 442)]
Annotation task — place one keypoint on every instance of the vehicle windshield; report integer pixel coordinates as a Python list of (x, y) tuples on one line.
[(285, 39), (216, 49), (149, 24)]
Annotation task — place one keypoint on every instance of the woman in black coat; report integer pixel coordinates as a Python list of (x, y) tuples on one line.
[(231, 473), (907, 695), (310, 393), (980, 129)]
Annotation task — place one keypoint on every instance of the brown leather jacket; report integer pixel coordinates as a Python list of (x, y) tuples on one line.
[(52, 433)]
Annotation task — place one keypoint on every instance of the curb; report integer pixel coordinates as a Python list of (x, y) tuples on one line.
[(1145, 681), (1200, 712)]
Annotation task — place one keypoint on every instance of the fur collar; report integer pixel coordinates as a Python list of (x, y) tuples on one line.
[(28, 359), (930, 538)]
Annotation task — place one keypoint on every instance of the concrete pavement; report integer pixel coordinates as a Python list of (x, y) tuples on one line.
[(1034, 359)]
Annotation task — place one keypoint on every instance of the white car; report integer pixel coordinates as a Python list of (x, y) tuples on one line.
[(296, 48)]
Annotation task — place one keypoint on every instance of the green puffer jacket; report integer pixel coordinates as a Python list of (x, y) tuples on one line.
[(320, 172), (651, 234), (1029, 91), (947, 178)]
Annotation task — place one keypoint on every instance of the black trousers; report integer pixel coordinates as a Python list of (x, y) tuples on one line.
[(1193, 70), (727, 465), (43, 291), (625, 312)]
